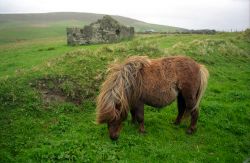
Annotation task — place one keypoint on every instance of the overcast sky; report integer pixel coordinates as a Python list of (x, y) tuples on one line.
[(191, 14)]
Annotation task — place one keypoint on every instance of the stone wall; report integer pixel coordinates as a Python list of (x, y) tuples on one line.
[(105, 30)]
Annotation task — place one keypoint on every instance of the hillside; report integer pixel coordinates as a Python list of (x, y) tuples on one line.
[(48, 92), (18, 27)]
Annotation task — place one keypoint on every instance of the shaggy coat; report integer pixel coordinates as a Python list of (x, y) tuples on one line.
[(155, 82)]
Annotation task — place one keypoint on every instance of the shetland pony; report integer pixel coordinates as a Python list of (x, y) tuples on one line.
[(155, 82)]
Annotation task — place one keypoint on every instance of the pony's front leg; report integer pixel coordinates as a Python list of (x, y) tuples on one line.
[(133, 115), (139, 115), (141, 128)]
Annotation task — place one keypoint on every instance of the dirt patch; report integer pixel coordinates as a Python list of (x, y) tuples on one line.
[(47, 49), (50, 97), (59, 89)]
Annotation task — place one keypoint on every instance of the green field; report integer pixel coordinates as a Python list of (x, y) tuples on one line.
[(48, 91)]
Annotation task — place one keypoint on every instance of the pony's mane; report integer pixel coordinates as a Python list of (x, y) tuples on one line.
[(121, 88)]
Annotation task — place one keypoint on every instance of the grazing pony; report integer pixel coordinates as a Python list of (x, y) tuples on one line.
[(155, 82)]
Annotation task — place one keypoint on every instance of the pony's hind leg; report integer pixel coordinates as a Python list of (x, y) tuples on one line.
[(181, 109), (194, 118), (190, 104)]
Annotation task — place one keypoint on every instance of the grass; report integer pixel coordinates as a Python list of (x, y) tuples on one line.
[(35, 130), (17, 57)]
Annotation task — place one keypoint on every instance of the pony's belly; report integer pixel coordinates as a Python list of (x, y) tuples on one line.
[(158, 105), (160, 98)]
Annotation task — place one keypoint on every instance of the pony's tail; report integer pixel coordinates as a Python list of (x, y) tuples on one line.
[(203, 85)]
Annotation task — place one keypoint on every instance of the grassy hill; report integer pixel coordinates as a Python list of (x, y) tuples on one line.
[(19, 27), (48, 91)]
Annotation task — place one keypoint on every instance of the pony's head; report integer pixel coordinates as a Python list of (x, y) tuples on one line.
[(114, 128), (111, 115), (119, 91), (112, 108)]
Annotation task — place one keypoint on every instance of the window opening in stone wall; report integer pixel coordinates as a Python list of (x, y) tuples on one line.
[(117, 32)]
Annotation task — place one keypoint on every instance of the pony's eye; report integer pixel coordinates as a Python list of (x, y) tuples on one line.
[(117, 106)]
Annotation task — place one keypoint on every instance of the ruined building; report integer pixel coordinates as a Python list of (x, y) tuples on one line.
[(105, 30)]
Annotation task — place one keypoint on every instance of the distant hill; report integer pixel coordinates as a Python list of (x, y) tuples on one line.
[(17, 27)]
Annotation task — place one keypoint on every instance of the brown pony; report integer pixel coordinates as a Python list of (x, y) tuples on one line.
[(155, 82)]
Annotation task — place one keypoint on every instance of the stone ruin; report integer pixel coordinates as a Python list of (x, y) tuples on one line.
[(105, 30)]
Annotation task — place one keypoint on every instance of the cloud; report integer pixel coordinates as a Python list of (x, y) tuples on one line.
[(195, 14)]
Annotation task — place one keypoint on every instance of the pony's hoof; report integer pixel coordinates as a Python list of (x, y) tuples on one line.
[(191, 131), (133, 122), (143, 132), (176, 123), (113, 138)]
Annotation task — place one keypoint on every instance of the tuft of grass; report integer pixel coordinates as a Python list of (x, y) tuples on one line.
[(209, 47), (246, 34)]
